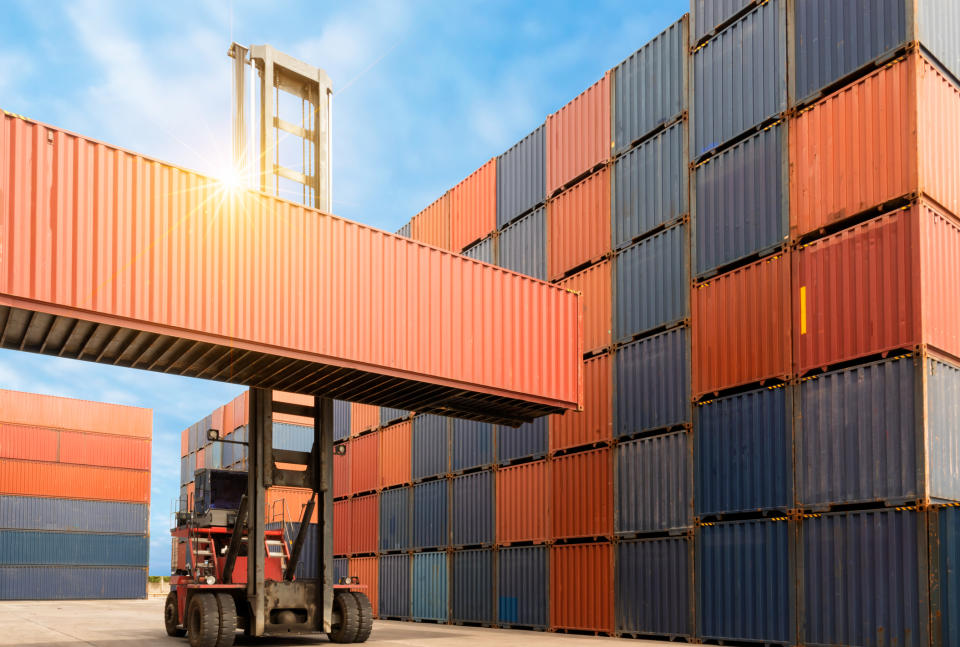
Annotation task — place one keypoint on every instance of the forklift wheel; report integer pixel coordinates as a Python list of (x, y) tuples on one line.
[(228, 620), (365, 626), (203, 620), (347, 613), (171, 616)]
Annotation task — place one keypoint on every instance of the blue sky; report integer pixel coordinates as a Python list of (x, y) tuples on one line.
[(425, 93)]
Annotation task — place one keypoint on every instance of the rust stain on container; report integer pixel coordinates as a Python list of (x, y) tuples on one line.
[(473, 207), (364, 531), (581, 495), (578, 136), (363, 417), (522, 503), (432, 225), (395, 454), (595, 423), (342, 527), (365, 569), (32, 478), (364, 463), (341, 472), (52, 412), (578, 225), (596, 310), (581, 587)]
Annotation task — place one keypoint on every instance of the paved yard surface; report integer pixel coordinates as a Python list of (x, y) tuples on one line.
[(140, 622)]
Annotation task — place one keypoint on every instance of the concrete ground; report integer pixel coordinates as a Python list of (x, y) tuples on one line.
[(140, 622)]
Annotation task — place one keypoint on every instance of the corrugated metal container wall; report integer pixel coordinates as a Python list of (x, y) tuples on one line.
[(652, 285), (472, 595), (581, 495), (650, 86), (521, 178), (889, 135), (307, 567), (289, 501), (945, 575), (342, 527), (28, 443), (364, 463), (578, 225), (652, 383), (522, 587), (938, 26), (654, 490), (394, 584), (389, 415), (30, 478), (184, 442), (395, 454), (185, 475), (31, 547), (654, 580), (431, 446), (364, 517), (404, 231), (581, 587), (740, 77), (473, 519), (485, 251), (341, 472), (707, 15), (285, 436), (366, 570), (596, 310), (29, 513), (431, 521), (650, 185), (363, 417), (430, 591), (473, 207), (741, 205), (741, 326), (33, 409), (527, 440), (746, 585), (861, 581), (395, 511), (522, 500), (943, 420), (432, 225), (71, 583), (594, 424), (744, 452), (523, 245), (939, 254), (472, 444), (578, 135), (341, 568)]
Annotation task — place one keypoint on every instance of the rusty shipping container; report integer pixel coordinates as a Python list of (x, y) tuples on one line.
[(578, 225), (889, 135), (596, 308), (578, 136), (595, 423), (341, 472), (395, 454), (364, 463), (432, 225), (581, 587), (364, 524), (473, 207), (521, 180), (581, 495), (522, 503)]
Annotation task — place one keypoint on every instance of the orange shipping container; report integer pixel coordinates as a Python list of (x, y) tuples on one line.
[(341, 472), (473, 207), (522, 503), (432, 225), (578, 136), (395, 454), (293, 398), (19, 408), (342, 527), (578, 225), (364, 464), (105, 451), (581, 495), (581, 587), (595, 423), (31, 478), (596, 310), (363, 417), (364, 515), (184, 442), (366, 570), (891, 134), (740, 324), (28, 443), (201, 455), (287, 504)]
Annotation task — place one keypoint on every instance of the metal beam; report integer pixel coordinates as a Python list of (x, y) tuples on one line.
[(323, 471), (260, 443), (298, 542), (292, 409), (236, 539)]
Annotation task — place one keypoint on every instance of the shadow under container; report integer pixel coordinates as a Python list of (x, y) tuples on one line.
[(471, 445), (528, 441), (523, 587)]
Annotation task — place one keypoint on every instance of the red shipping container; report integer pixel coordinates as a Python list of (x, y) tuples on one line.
[(52, 412), (63, 481), (473, 207), (432, 225), (522, 503), (395, 454), (892, 133), (595, 423), (28, 443), (581, 587), (581, 495), (740, 326), (364, 464), (342, 527), (595, 286), (363, 417), (366, 569), (105, 451), (364, 529), (341, 472), (578, 225), (578, 136)]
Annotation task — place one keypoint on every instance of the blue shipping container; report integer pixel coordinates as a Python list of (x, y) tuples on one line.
[(35, 513), (472, 444), (521, 179), (654, 489), (298, 438), (527, 440), (341, 419), (30, 547), (308, 568), (706, 15), (72, 583), (523, 245), (654, 587), (394, 585), (485, 251), (473, 509), (945, 575), (341, 569), (472, 588), (943, 428), (522, 586), (430, 514), (389, 415), (430, 591), (431, 446), (395, 519)]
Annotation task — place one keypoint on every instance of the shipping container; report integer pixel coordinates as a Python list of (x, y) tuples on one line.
[(522, 503), (654, 489), (341, 472), (578, 136), (581, 587), (29, 443), (529, 440), (707, 15), (746, 584), (650, 185), (52, 412), (363, 417), (523, 587), (31, 513), (431, 446), (864, 579), (595, 285), (472, 586), (31, 478), (654, 587), (651, 380), (72, 583), (432, 225), (890, 135), (395, 511), (342, 527), (364, 463), (471, 444), (650, 86), (288, 504), (395, 454), (473, 207), (741, 197), (741, 327), (743, 452), (485, 251), (32, 547), (578, 225), (341, 568), (472, 512), (521, 179), (184, 442), (581, 495), (431, 514), (404, 231), (297, 438), (367, 572), (388, 415), (394, 584), (364, 517), (594, 424), (944, 547), (523, 245), (430, 590), (740, 77), (308, 568), (341, 420)]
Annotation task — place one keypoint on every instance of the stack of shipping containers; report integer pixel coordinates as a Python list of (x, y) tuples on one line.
[(74, 498)]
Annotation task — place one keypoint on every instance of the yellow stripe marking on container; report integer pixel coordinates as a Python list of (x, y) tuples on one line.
[(803, 310)]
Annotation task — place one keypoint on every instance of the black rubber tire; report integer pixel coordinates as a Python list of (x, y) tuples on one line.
[(345, 605), (171, 616), (203, 620), (228, 620), (365, 626)]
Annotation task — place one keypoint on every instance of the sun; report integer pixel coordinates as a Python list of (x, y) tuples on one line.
[(231, 179)]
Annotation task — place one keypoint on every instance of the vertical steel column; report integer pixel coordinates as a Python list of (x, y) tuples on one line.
[(322, 484), (240, 153), (260, 437)]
